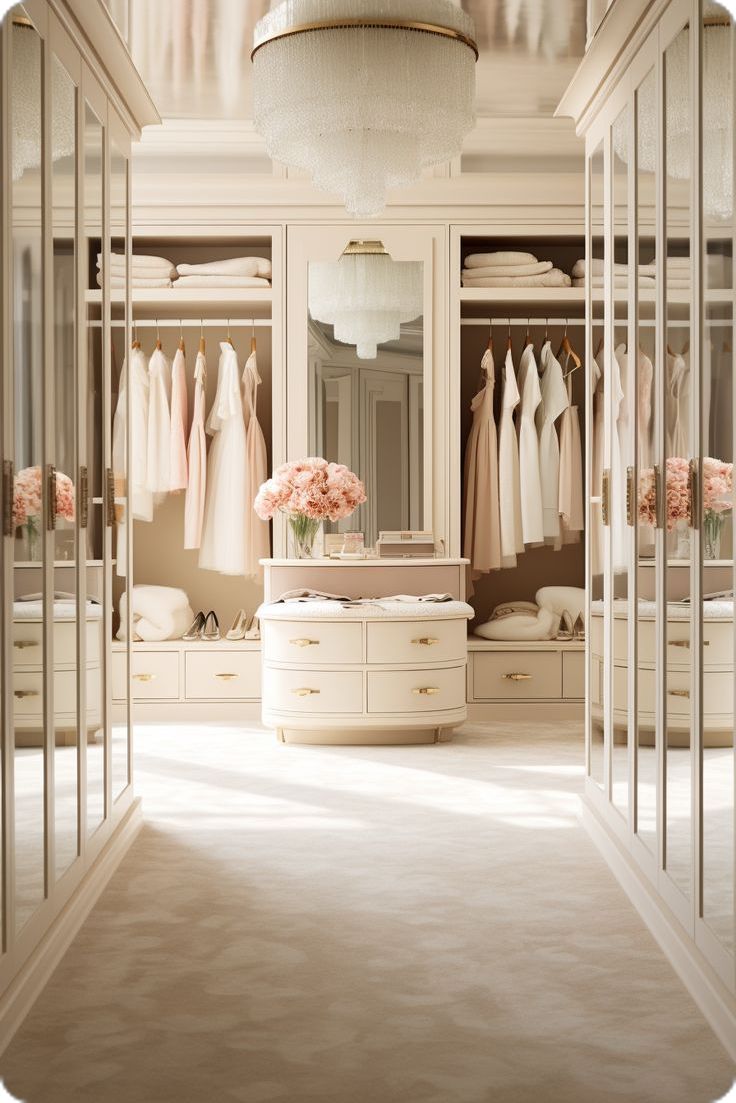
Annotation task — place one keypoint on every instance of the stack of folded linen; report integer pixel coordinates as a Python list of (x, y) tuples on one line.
[(145, 271), (510, 269), (233, 272), (621, 274)]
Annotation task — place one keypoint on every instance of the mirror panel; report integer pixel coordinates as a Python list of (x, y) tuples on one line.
[(28, 384), (717, 428), (95, 456), (366, 382), (66, 658), (595, 462), (679, 449), (645, 101)]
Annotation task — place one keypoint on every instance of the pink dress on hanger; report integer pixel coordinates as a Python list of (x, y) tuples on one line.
[(196, 460), (178, 458), (482, 539), (258, 545)]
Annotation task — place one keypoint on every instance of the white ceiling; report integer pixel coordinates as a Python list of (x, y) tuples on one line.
[(194, 55)]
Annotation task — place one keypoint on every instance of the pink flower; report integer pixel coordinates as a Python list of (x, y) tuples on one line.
[(28, 496), (311, 487)]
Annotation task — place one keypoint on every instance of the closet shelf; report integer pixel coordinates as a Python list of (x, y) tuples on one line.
[(554, 296), (477, 643), (170, 298)]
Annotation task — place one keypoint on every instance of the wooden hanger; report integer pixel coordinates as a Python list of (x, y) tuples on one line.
[(527, 340), (158, 337), (569, 351), (489, 346), (181, 337), (229, 338), (253, 337), (136, 343), (201, 336), (508, 342)]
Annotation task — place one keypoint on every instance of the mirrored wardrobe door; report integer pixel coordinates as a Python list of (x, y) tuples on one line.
[(63, 307), (594, 480), (645, 108), (94, 450), (675, 267), (121, 567), (622, 379), (717, 498), (29, 765)]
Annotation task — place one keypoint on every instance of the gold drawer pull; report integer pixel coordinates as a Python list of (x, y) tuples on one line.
[(686, 643), (516, 676), (304, 691), (426, 691), (227, 677), (630, 511), (21, 645), (679, 692), (426, 641), (304, 643), (606, 497), (21, 693), (143, 677)]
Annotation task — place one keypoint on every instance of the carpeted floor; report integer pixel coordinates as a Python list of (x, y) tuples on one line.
[(364, 925)]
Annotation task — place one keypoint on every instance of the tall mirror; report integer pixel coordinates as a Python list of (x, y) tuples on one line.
[(366, 381), (29, 760), (594, 481)]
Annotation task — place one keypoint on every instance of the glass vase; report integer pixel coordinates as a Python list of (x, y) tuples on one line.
[(682, 540), (712, 529), (29, 550), (303, 533)]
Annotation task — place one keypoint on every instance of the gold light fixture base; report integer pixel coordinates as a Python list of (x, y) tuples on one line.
[(365, 24)]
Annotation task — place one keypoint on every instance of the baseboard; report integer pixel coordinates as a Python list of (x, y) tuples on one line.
[(717, 1004), (26, 987), (197, 712), (527, 711)]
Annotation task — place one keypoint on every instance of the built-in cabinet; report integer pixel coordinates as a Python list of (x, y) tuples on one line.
[(66, 765), (660, 448)]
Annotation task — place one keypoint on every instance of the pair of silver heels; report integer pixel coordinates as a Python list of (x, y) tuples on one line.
[(204, 627), (244, 627), (570, 630)]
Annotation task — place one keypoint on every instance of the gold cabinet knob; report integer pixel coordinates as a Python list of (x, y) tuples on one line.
[(143, 677), (21, 645), (516, 676), (678, 692), (426, 641), (226, 677), (304, 691), (426, 691), (22, 693), (304, 643)]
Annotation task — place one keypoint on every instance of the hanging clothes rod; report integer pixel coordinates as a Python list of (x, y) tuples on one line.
[(189, 323), (504, 323)]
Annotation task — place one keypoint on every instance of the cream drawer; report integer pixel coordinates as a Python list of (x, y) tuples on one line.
[(718, 694), (28, 695), (510, 675), (302, 641), (717, 642), (28, 643), (312, 691), (573, 674), (401, 691), (155, 675), (414, 641), (222, 675)]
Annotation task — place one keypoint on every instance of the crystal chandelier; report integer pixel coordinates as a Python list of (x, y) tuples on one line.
[(365, 295), (364, 94), (26, 102)]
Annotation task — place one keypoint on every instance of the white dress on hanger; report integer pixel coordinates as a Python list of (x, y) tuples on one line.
[(178, 457), (596, 513), (554, 402), (196, 460), (223, 534), (258, 545), (678, 406), (140, 495), (620, 454), (509, 489), (158, 473), (645, 370), (571, 505), (532, 519)]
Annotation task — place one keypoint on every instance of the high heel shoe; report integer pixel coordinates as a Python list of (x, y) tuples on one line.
[(194, 631), (211, 630), (565, 630), (578, 628), (239, 625), (253, 631)]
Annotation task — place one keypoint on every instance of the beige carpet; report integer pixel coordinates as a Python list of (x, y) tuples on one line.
[(364, 925)]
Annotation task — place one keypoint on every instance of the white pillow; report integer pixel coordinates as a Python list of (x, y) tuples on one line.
[(562, 599), (521, 626)]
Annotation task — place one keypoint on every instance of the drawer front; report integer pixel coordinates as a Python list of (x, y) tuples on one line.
[(313, 691), (222, 675), (302, 641), (28, 643), (717, 642), (511, 675), (155, 675), (416, 641), (416, 691), (573, 674), (28, 695)]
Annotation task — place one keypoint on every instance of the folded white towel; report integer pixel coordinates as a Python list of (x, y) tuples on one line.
[(553, 278), (618, 281), (521, 626), (508, 270), (137, 281), (221, 281), (597, 267), (488, 260), (142, 273), (159, 613), (231, 266), (138, 260)]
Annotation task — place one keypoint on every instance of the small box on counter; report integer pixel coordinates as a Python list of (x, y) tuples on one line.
[(410, 544)]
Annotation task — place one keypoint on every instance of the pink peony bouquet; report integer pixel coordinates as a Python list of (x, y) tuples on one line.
[(717, 486), (717, 497), (28, 496), (309, 491), (677, 494)]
